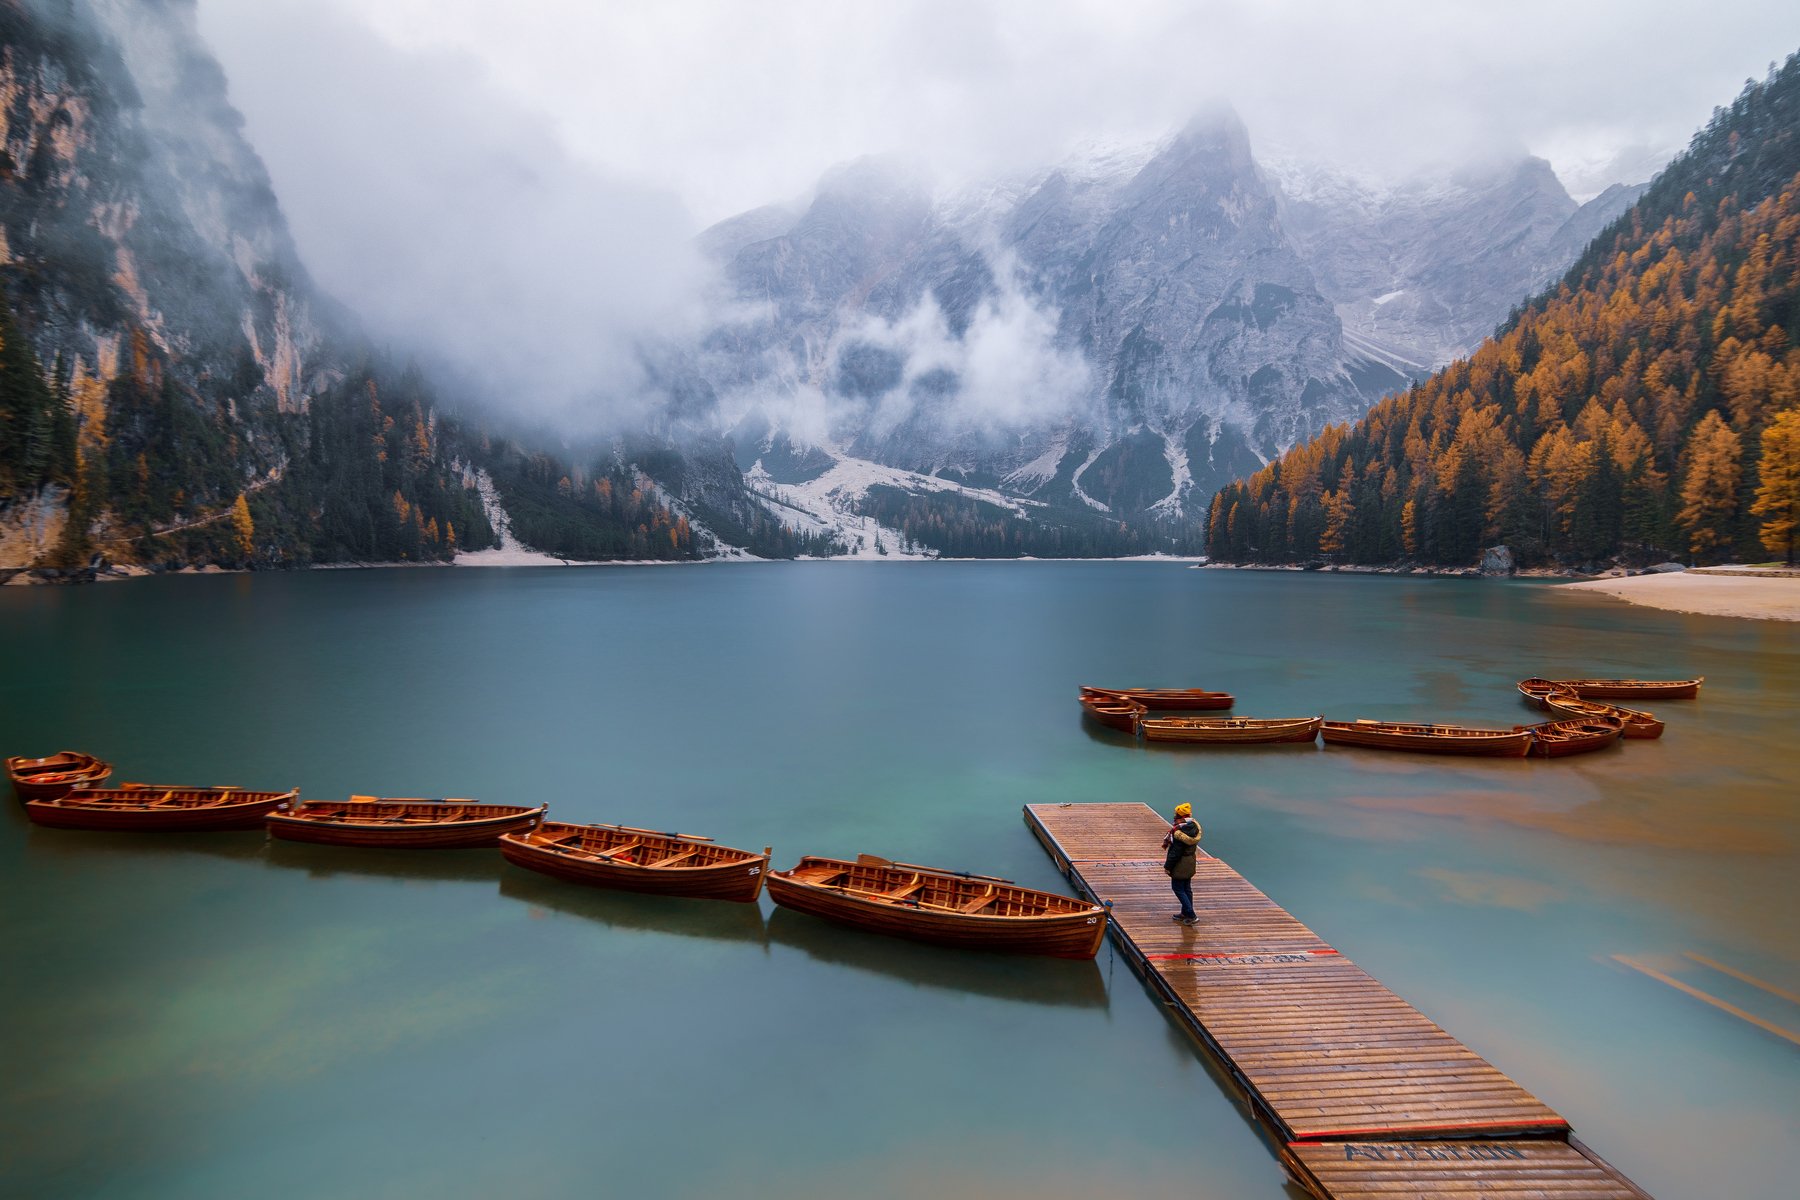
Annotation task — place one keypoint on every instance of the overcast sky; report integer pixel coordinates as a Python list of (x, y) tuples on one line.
[(529, 174), (731, 104)]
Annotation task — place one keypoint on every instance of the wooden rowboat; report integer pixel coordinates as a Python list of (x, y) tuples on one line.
[(1554, 739), (1661, 689), (1164, 699), (975, 912), (155, 808), (1230, 731), (1113, 712), (1427, 739), (412, 824), (1537, 692), (638, 860), (55, 774), (1638, 724)]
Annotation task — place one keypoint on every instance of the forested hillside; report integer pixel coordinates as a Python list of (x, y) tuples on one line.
[(1645, 407), (961, 527), (173, 389)]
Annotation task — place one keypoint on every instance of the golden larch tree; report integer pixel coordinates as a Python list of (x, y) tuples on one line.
[(1709, 489), (1338, 511), (242, 527), (1778, 493)]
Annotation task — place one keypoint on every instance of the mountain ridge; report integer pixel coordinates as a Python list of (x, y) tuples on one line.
[(1193, 335), (1641, 406), (175, 390), (1062, 360)]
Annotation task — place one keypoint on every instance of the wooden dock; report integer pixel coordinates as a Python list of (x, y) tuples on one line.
[(1366, 1096)]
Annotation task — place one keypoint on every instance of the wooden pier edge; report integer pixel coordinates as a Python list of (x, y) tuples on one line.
[(1267, 1122), (1380, 1162), (1587, 1152), (1537, 1167)]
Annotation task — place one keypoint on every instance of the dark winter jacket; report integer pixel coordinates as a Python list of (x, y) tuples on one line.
[(1182, 840)]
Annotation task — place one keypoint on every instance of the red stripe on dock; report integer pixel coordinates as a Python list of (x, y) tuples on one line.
[(1285, 954)]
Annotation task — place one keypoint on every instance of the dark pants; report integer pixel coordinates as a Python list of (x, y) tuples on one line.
[(1184, 892)]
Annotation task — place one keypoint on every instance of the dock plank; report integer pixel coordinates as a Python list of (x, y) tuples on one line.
[(1268, 992), (1526, 1169), (1332, 1058)]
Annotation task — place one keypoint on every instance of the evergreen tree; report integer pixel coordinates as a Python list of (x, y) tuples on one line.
[(65, 464), (1661, 356), (28, 425)]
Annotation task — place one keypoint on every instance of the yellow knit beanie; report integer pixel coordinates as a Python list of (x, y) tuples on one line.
[(1184, 810)]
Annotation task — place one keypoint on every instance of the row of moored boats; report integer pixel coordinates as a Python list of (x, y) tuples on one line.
[(1582, 720), (902, 899)]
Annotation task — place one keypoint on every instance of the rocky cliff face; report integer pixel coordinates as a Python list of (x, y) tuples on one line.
[(1420, 272), (1169, 318), (145, 253), (173, 389), (133, 206), (1093, 348)]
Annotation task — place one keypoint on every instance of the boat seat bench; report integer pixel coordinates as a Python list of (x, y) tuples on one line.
[(896, 897)]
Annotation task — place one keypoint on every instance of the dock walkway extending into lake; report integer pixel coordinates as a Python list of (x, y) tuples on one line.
[(1367, 1097)]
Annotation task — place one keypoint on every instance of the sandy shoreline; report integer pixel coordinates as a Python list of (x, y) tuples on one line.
[(1758, 597)]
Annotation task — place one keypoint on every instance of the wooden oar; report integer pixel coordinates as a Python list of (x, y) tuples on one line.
[(686, 837), (871, 860)]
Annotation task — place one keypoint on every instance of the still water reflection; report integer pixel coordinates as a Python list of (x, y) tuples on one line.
[(202, 1016)]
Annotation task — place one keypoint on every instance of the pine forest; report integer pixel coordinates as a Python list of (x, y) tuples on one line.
[(1644, 408)]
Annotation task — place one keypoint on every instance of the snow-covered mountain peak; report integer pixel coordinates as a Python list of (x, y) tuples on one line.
[(1102, 162), (1122, 330)]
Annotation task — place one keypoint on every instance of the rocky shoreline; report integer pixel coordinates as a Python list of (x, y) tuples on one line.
[(106, 572), (1496, 562)]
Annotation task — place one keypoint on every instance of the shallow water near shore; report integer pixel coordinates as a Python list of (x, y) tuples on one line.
[(212, 1015)]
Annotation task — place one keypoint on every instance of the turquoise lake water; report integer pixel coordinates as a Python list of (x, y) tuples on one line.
[(214, 1016)]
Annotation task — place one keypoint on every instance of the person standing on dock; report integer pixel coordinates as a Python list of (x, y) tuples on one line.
[(1182, 841)]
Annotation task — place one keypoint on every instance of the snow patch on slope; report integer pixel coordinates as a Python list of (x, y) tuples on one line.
[(1386, 355), (722, 549), (511, 552), (1175, 454), (1075, 482), (827, 504), (1115, 162), (1039, 470)]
